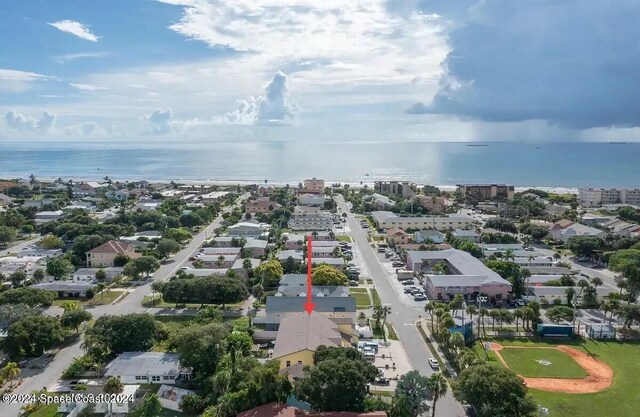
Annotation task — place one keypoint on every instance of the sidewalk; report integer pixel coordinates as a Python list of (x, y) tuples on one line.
[(424, 325)]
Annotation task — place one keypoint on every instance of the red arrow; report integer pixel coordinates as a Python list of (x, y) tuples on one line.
[(309, 305)]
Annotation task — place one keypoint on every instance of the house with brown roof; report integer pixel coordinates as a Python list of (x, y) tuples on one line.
[(261, 205), (397, 236), (105, 254), (300, 334), (285, 410)]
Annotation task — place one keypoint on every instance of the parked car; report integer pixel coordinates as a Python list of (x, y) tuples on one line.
[(520, 302), (419, 297), (381, 250), (407, 290), (354, 283), (407, 282), (433, 362), (397, 264), (381, 380)]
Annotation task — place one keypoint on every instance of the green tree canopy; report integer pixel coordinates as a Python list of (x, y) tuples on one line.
[(324, 274), (111, 335), (201, 347), (168, 246), (560, 313), (269, 273), (51, 242), (33, 335), (415, 387), (585, 245), (33, 297), (59, 267)]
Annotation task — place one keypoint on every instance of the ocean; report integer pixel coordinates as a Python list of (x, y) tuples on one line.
[(439, 163)]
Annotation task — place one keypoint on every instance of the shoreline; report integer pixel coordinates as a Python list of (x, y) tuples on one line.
[(230, 182)]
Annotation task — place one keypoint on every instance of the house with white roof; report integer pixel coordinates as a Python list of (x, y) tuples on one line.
[(469, 235), (147, 368), (566, 229), (429, 235)]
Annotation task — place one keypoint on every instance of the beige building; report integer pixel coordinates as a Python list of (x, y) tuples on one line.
[(483, 192), (593, 197), (105, 254), (312, 186), (261, 205), (404, 189)]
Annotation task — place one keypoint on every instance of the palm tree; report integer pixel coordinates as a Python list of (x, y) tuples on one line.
[(70, 306), (220, 261), (438, 386), (526, 274), (438, 269), (518, 315), (509, 254), (11, 371), (430, 308), (471, 310), (113, 386), (380, 313), (483, 312), (557, 256), (493, 314), (596, 282)]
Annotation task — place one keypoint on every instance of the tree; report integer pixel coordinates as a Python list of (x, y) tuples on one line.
[(101, 275), (33, 297), (494, 392), (51, 242), (269, 273), (142, 265), (584, 245), (192, 404), (33, 335), (503, 225), (59, 267), (190, 220), (74, 318), (415, 388), (121, 260), (17, 278), (112, 335), (240, 342), (200, 347), (38, 274), (7, 235), (324, 274), (570, 293), (560, 313), (203, 290), (380, 314), (167, 246), (10, 371), (337, 384), (113, 385), (178, 234), (150, 406), (437, 384), (400, 407), (627, 262)]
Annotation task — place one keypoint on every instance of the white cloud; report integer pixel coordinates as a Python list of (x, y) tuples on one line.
[(87, 87), (61, 59), (85, 129), (15, 75), (75, 28), (161, 121), (274, 108), (28, 124)]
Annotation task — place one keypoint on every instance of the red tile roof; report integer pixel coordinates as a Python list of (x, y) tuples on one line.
[(113, 246)]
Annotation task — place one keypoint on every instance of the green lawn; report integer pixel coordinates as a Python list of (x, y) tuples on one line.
[(376, 297), (362, 297), (157, 301), (343, 238), (99, 299), (50, 410), (622, 399), (525, 362)]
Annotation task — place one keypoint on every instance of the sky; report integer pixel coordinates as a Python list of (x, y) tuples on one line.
[(405, 70)]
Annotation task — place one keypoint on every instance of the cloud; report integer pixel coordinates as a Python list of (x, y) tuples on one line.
[(85, 129), (86, 87), (15, 75), (61, 59), (28, 124), (75, 28), (574, 64), (417, 108), (274, 108), (161, 121)]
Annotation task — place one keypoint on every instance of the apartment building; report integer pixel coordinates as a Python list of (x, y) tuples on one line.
[(312, 186), (404, 189), (483, 192), (388, 220), (594, 197)]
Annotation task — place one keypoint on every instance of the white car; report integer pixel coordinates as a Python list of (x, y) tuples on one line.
[(433, 362)]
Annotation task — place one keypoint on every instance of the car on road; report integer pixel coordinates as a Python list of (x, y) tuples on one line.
[(184, 268), (354, 283), (407, 283), (582, 274), (381, 250), (419, 297), (381, 380), (397, 264), (433, 363)]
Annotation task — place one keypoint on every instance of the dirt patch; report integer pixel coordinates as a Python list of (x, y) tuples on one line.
[(600, 374)]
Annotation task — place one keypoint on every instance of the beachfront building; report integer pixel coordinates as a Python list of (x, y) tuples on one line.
[(594, 197), (380, 201), (464, 275), (388, 220), (312, 186), (484, 192), (404, 189), (318, 221)]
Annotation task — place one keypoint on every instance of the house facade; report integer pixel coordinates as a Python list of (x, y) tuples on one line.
[(105, 254), (147, 368)]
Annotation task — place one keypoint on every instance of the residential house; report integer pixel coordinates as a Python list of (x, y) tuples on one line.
[(257, 248), (388, 220), (105, 254), (324, 252), (397, 236), (565, 229), (218, 261), (38, 203), (217, 251), (464, 275), (300, 334), (66, 288), (261, 205), (296, 255), (117, 195), (147, 205), (246, 229), (484, 192), (238, 266), (48, 216), (429, 236), (337, 263), (147, 368), (5, 200), (469, 235), (170, 397), (311, 200), (380, 201), (331, 302), (224, 241), (5, 185), (197, 188), (264, 191), (89, 274), (294, 241), (326, 243), (213, 196), (555, 210), (432, 203), (132, 392), (622, 228)]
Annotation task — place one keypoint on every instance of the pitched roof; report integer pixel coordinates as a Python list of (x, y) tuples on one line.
[(302, 331), (113, 246)]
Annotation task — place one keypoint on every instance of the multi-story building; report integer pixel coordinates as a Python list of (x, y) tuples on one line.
[(261, 205), (593, 197), (312, 186), (387, 220), (483, 192), (105, 254), (404, 189), (317, 221)]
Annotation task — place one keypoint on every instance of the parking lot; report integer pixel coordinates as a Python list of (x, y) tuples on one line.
[(392, 362), (398, 286)]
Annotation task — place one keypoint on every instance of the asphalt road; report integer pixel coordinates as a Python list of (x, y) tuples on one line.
[(403, 316), (42, 378), (18, 247)]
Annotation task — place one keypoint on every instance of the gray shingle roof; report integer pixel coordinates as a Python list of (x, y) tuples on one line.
[(144, 363), (302, 331)]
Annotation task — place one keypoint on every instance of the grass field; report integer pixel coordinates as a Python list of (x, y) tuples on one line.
[(376, 297), (98, 299), (525, 362), (361, 296), (343, 238), (622, 399)]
